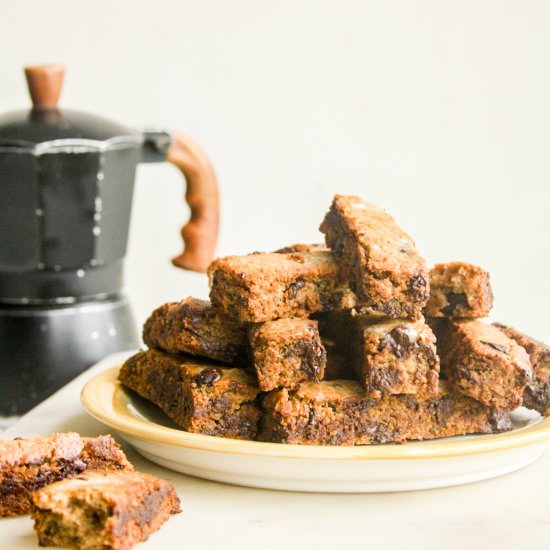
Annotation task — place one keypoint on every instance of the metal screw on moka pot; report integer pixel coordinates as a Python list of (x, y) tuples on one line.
[(66, 184)]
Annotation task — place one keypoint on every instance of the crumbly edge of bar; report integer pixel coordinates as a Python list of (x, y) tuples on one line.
[(194, 326), (88, 516), (18, 481), (459, 291)]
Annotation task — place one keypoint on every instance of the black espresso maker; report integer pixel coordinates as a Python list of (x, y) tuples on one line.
[(66, 184)]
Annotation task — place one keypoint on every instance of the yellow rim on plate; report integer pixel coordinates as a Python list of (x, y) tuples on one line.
[(107, 401)]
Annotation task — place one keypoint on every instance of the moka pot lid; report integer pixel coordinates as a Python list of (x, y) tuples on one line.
[(46, 127)]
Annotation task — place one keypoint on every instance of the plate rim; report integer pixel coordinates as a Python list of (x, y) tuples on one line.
[(123, 421)]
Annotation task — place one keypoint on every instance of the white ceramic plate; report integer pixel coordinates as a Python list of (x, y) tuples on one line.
[(377, 468)]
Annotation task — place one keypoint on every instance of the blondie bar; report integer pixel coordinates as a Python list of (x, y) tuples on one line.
[(286, 352), (537, 393), (379, 259), (459, 291), (199, 396), (339, 413), (482, 362), (266, 286), (29, 464), (395, 356), (102, 510), (194, 326)]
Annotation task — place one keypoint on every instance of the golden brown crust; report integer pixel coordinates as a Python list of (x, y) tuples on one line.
[(194, 326), (266, 286), (339, 413), (459, 290), (286, 352), (28, 464), (482, 362), (102, 510), (200, 396), (378, 258)]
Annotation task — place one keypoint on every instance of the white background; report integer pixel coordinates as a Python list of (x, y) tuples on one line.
[(437, 110)]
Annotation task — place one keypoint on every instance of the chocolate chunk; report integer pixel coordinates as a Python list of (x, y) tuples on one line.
[(297, 348), (537, 397), (292, 290), (455, 301), (499, 347), (10, 486), (384, 378), (398, 342), (429, 354), (419, 286), (311, 356), (208, 376), (67, 467), (499, 421), (444, 409)]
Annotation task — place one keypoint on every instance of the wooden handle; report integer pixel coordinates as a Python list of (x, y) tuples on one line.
[(200, 234), (44, 83)]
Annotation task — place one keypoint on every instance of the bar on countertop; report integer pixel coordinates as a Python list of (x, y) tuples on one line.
[(102, 510), (339, 413), (29, 464)]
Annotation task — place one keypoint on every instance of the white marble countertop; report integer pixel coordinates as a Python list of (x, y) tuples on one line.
[(512, 511)]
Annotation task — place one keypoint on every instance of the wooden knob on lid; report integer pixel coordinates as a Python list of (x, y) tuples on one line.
[(44, 83)]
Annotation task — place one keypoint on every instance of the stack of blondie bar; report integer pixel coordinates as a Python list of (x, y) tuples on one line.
[(349, 343)]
